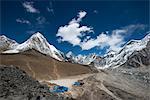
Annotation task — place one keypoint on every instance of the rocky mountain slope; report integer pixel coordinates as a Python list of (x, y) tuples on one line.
[(114, 59), (139, 58), (133, 47), (15, 84), (119, 58)]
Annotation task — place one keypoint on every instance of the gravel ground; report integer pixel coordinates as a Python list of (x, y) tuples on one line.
[(15, 84)]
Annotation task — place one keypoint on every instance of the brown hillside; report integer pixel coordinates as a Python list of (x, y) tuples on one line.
[(41, 66)]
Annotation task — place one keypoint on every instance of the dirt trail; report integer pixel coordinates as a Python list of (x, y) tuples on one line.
[(29, 67), (55, 71), (102, 87)]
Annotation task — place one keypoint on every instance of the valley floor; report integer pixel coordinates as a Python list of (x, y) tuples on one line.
[(69, 81), (105, 85)]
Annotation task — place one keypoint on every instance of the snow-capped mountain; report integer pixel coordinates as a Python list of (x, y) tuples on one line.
[(110, 60), (88, 59), (115, 59), (39, 43), (6, 43), (80, 59)]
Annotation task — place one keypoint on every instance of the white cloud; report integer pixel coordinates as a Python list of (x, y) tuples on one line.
[(80, 15), (86, 45), (23, 21), (77, 35), (73, 31), (113, 41), (29, 7)]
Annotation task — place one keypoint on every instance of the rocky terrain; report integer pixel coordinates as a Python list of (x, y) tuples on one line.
[(15, 84), (129, 81), (139, 58), (108, 85), (123, 75)]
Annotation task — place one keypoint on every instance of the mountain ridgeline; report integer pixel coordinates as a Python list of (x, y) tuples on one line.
[(122, 75), (134, 52)]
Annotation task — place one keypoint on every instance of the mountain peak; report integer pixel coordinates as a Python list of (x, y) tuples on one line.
[(38, 34), (147, 37), (3, 36), (5, 40), (6, 43), (38, 42)]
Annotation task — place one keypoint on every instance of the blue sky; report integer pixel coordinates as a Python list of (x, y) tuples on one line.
[(83, 27)]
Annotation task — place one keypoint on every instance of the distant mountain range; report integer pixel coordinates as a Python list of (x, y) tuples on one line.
[(110, 60), (115, 59)]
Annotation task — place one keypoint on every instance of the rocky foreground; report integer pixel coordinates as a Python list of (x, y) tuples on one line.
[(15, 84)]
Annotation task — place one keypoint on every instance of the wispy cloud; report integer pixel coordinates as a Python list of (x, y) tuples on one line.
[(38, 25), (73, 31), (41, 20), (23, 21), (114, 40), (31, 32), (50, 8), (134, 27), (30, 8)]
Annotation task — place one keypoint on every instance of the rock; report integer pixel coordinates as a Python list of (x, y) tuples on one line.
[(15, 84)]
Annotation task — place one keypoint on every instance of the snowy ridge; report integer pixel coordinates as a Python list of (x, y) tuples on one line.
[(39, 43), (81, 59), (119, 58), (6, 42), (112, 59)]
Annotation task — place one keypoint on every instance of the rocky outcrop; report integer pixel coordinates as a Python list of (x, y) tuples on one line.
[(15, 84), (139, 58)]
